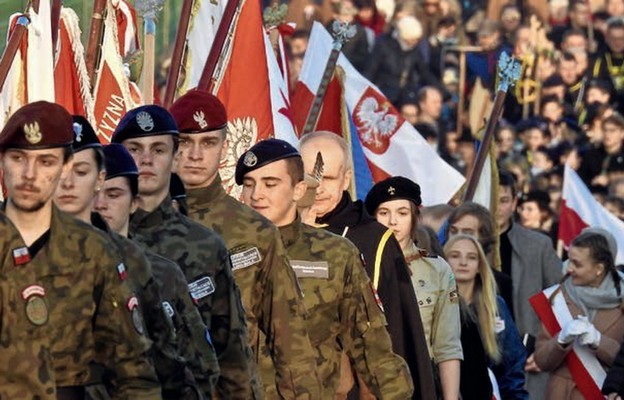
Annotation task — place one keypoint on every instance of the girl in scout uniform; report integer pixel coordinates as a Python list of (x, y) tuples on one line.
[(394, 203), (489, 336)]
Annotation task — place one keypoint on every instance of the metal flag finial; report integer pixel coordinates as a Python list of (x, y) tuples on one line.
[(509, 71)]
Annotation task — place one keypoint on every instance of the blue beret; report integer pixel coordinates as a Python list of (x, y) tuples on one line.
[(143, 121), (263, 153), (395, 188), (119, 162), (84, 135)]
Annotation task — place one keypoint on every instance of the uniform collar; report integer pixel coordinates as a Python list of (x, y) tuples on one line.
[(144, 219), (201, 198), (290, 233)]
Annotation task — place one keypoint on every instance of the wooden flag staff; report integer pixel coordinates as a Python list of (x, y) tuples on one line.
[(178, 52), (11, 49)]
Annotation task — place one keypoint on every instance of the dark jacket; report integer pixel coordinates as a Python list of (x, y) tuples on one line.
[(474, 381), (393, 69), (615, 377), (595, 162), (395, 288)]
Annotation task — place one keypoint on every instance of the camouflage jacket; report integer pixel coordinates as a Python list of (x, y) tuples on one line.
[(203, 258), (26, 370), (271, 297), (72, 285), (344, 314), (150, 277)]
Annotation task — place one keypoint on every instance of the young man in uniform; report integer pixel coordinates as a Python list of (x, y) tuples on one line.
[(272, 301), (383, 259), (151, 136), (75, 195), (344, 315), (68, 274)]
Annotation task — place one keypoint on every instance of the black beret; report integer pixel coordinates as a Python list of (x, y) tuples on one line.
[(119, 162), (38, 125), (143, 121), (263, 153), (394, 188), (176, 187), (84, 135)]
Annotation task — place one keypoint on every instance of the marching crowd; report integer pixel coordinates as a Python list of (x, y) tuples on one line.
[(129, 273)]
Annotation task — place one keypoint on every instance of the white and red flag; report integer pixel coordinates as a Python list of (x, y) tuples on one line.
[(389, 145), (579, 210), (112, 95)]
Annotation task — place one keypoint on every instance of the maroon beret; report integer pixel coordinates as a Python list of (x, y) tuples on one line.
[(38, 125), (199, 111)]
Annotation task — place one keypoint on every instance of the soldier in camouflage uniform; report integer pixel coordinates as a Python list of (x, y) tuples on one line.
[(150, 135), (68, 274), (75, 195), (26, 370), (272, 300), (344, 314)]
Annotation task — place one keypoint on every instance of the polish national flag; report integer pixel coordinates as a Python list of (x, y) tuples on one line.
[(127, 34), (579, 210), (390, 145)]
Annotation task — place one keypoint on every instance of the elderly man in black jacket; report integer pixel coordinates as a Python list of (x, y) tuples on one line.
[(381, 254)]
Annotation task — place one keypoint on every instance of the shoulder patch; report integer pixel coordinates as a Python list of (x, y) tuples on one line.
[(201, 288), (310, 269), (453, 296), (245, 258)]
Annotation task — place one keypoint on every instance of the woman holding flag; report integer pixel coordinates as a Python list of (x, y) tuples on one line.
[(582, 321)]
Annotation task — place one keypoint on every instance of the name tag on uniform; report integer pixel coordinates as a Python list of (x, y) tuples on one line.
[(245, 258), (201, 288), (310, 269)]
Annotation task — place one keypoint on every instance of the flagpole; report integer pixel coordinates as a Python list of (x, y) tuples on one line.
[(56, 19), (206, 80), (509, 72), (178, 51), (95, 37), (148, 10), (11, 49)]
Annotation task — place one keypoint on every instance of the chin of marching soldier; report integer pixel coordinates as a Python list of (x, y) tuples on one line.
[(271, 297), (68, 275), (344, 314), (151, 136)]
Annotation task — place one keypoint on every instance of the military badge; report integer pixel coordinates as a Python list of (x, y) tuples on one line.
[(36, 307), (32, 132), (250, 159), (137, 321), (21, 256), (391, 191), (245, 258), (200, 118), (201, 288), (78, 132), (168, 309), (310, 269), (145, 121)]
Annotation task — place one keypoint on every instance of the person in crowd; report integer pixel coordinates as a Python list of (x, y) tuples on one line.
[(497, 332), (430, 106), (383, 259), (394, 202), (613, 386), (593, 168), (535, 213), (584, 316)]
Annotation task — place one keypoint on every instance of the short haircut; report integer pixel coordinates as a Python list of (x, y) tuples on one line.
[(487, 234), (506, 179), (615, 23), (294, 166), (573, 32), (615, 119), (337, 139), (422, 93)]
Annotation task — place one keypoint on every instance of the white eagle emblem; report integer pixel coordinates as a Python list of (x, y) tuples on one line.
[(242, 133), (32, 132), (200, 118), (145, 121), (78, 132), (376, 121)]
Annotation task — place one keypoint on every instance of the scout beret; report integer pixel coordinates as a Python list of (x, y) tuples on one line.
[(84, 135), (143, 121), (119, 162), (263, 153), (199, 111), (394, 188), (38, 125)]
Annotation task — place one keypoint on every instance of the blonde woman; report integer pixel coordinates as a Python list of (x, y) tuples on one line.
[(489, 335), (394, 202)]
